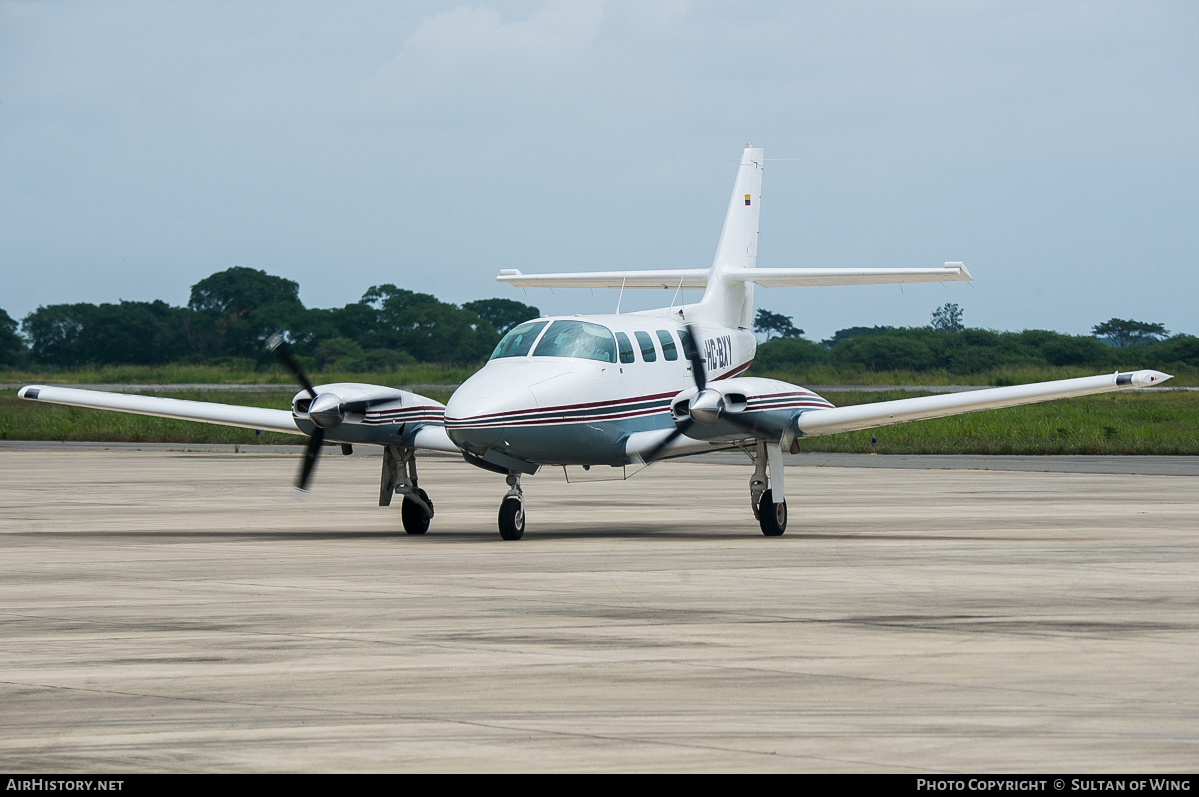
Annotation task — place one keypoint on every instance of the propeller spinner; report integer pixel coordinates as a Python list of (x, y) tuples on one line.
[(706, 406)]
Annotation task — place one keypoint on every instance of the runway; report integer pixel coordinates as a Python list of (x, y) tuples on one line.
[(182, 611)]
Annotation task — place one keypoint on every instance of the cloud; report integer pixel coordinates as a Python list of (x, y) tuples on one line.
[(467, 56), (480, 34)]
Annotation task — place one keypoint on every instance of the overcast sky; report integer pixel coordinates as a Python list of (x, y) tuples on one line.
[(1050, 146)]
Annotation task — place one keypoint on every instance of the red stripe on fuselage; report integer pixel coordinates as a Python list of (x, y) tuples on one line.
[(735, 372), (566, 407), (574, 419)]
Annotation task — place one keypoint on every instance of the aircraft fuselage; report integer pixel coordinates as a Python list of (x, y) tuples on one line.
[(542, 407)]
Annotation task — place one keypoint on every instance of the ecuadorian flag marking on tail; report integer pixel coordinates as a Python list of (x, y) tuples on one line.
[(747, 199)]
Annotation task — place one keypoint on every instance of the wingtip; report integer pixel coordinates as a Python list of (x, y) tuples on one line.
[(960, 266), (1149, 378)]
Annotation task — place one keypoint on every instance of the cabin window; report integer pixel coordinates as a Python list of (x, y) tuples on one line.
[(648, 353), (669, 351), (626, 347), (577, 339), (685, 339), (519, 340)]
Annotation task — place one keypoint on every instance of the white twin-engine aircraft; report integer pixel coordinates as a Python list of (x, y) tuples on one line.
[(609, 390)]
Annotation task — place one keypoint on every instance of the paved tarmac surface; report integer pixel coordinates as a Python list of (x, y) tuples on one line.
[(166, 611), (1128, 463)]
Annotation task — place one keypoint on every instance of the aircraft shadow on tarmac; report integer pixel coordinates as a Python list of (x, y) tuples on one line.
[(649, 532)]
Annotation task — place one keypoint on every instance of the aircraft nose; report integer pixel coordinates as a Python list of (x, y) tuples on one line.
[(472, 416)]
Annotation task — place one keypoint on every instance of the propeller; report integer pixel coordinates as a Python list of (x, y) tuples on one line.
[(328, 417), (325, 410), (706, 406)]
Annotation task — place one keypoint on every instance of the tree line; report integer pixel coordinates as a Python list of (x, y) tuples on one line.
[(946, 344), (230, 314)]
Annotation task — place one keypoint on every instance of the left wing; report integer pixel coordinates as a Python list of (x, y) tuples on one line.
[(885, 413), (741, 409)]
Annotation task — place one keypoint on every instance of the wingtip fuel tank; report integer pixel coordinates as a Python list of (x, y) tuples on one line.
[(1149, 378)]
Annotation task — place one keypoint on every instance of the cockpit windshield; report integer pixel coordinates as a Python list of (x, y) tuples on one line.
[(578, 339), (519, 340)]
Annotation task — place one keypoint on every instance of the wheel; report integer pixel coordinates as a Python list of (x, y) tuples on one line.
[(773, 523), (413, 514), (512, 519)]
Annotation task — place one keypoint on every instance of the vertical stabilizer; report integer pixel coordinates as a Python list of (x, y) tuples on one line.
[(732, 303)]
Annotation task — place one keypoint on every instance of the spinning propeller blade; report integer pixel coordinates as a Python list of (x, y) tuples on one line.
[(700, 375), (310, 454), (691, 352), (680, 428), (701, 379), (277, 345)]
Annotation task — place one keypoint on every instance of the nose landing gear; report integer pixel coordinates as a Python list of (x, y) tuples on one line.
[(512, 510)]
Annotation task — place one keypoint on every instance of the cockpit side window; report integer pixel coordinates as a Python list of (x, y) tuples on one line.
[(626, 347), (577, 339), (647, 346), (668, 348), (519, 340)]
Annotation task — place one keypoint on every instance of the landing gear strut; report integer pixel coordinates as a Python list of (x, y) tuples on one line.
[(399, 476), (770, 512), (512, 510)]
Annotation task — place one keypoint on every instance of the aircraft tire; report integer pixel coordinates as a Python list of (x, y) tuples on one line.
[(772, 517), (413, 514), (512, 519)]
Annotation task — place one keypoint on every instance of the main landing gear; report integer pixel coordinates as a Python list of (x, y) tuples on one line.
[(512, 510), (416, 512), (769, 505), (399, 476)]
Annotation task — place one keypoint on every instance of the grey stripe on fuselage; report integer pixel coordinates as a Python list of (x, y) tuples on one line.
[(603, 442)]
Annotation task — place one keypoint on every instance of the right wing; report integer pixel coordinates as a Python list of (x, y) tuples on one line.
[(179, 409), (395, 417)]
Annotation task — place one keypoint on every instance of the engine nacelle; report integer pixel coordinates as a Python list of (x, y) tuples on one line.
[(744, 406), (362, 413)]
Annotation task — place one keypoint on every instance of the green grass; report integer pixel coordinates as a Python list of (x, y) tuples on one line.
[(1125, 423)]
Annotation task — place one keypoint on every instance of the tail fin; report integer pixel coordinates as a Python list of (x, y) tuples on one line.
[(731, 302)]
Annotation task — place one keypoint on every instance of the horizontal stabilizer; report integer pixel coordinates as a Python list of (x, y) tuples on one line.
[(697, 278), (688, 278), (885, 413), (812, 277)]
